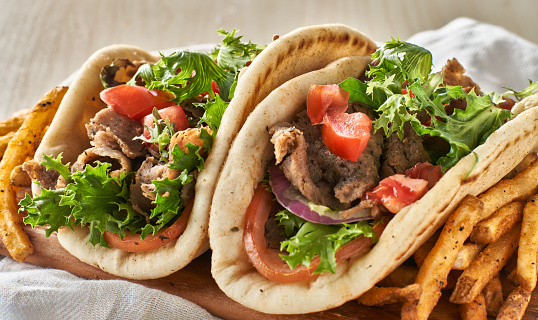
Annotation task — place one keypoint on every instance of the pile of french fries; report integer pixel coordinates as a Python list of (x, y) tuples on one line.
[(487, 247), (20, 136)]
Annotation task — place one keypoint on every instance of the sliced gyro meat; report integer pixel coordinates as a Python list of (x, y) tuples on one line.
[(109, 128), (120, 163)]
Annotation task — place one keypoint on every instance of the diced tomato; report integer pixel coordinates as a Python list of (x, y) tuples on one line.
[(346, 134), (175, 114), (398, 191), (425, 171), (135, 101), (214, 87), (411, 94), (133, 242), (267, 261), (323, 99)]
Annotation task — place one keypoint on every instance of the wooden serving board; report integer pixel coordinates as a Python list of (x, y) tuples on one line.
[(194, 283)]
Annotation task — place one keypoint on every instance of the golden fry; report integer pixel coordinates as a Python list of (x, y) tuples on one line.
[(475, 310), (467, 254), (402, 276), (14, 122), (433, 274), (493, 295), (506, 191), (486, 266), (4, 141), (422, 252), (502, 220), (21, 147), (515, 305), (528, 244), (378, 296)]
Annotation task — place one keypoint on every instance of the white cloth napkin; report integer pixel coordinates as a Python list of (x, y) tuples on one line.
[(31, 292), (493, 57)]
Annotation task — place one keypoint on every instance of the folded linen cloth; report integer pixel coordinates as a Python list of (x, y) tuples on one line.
[(31, 292), (493, 57)]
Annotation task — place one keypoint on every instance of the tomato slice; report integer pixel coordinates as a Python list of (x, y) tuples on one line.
[(267, 261), (346, 134), (426, 171), (133, 242), (398, 191), (175, 115), (323, 99), (135, 101)]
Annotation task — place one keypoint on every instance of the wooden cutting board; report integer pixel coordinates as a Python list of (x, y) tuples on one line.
[(194, 283)]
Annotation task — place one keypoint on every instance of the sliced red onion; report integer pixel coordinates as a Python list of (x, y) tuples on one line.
[(293, 200)]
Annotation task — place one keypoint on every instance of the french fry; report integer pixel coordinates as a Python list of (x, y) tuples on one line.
[(467, 254), (508, 190), (4, 141), (502, 220), (14, 122), (528, 244), (515, 305), (493, 295), (475, 310), (486, 266), (21, 147), (433, 273), (422, 252), (400, 277), (378, 296)]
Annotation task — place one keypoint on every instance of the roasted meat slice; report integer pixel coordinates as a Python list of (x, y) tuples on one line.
[(120, 163), (400, 155), (320, 175), (111, 129), (39, 173)]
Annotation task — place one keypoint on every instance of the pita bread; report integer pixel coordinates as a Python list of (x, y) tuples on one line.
[(67, 134), (245, 167)]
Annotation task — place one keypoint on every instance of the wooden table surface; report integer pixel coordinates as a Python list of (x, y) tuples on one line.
[(43, 42)]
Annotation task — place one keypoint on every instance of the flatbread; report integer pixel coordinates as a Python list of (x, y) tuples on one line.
[(67, 135), (245, 167)]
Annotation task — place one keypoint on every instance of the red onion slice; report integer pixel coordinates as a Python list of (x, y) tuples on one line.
[(293, 200)]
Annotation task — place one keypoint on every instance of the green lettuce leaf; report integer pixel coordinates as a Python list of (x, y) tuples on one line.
[(186, 74), (401, 61), (189, 160), (464, 129), (214, 110), (46, 210), (233, 54), (160, 134), (92, 197), (519, 95), (307, 240)]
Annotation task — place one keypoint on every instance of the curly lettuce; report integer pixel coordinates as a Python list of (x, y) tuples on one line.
[(305, 240), (402, 85)]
